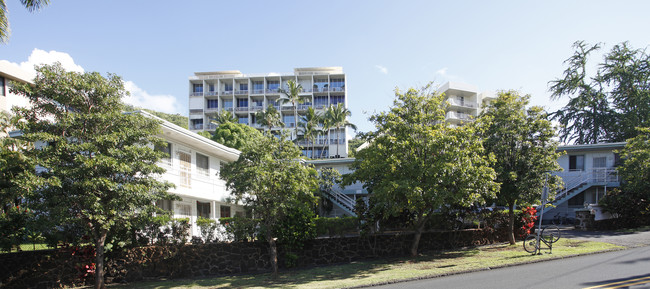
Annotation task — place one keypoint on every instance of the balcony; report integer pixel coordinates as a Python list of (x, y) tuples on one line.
[(288, 108), (196, 111), (228, 109), (198, 126), (258, 91), (459, 116), (257, 107), (273, 90), (196, 93), (226, 92), (212, 109), (303, 107), (467, 104), (241, 108), (337, 89), (241, 92), (320, 106), (211, 93), (211, 126)]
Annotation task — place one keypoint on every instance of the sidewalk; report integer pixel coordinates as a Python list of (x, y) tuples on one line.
[(626, 239)]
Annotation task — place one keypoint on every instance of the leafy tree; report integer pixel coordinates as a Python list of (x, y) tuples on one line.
[(270, 179), (632, 202), (236, 135), (292, 95), (611, 104), (338, 118), (100, 169), (415, 163), (353, 145), (270, 118), (31, 5), (309, 127), (521, 141), (205, 133), (177, 119), (224, 117)]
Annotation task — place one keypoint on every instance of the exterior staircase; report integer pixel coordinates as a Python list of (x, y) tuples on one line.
[(342, 200), (577, 182)]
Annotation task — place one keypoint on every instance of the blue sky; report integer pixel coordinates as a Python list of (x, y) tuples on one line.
[(156, 45)]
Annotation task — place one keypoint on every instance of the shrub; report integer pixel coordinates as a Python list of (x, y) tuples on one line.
[(180, 230), (335, 226), (240, 229), (208, 229)]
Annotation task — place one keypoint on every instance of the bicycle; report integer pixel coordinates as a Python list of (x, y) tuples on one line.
[(548, 236), (559, 219)]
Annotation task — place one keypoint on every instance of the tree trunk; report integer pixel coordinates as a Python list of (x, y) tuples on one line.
[(338, 143), (511, 223), (273, 253), (99, 258), (416, 239)]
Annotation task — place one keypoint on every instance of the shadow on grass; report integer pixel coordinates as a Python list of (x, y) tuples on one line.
[(289, 278)]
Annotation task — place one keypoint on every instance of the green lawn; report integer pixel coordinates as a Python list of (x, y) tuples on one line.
[(383, 271), (30, 247)]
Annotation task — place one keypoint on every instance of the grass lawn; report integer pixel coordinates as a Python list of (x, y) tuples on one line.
[(30, 247), (384, 271)]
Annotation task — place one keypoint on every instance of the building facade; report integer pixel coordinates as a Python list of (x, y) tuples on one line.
[(193, 166), (246, 94), (465, 102), (10, 73)]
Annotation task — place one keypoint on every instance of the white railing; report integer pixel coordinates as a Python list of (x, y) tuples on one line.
[(575, 179), (463, 104), (343, 200), (196, 93)]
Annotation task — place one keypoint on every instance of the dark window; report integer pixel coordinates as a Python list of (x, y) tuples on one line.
[(202, 209), (213, 103), (320, 101), (202, 164), (197, 124), (243, 86), (258, 85), (167, 149), (576, 163), (228, 86), (2, 86), (227, 104), (273, 84), (164, 204), (578, 200), (197, 88), (243, 120), (337, 82), (336, 99), (225, 212), (242, 102), (617, 160)]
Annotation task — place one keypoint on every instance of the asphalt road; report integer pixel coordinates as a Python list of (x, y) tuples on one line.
[(620, 269)]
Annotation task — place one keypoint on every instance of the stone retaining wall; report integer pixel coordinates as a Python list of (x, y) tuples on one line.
[(52, 268)]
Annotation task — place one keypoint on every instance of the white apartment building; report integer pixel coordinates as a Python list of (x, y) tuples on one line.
[(10, 73), (246, 94), (193, 166), (465, 102)]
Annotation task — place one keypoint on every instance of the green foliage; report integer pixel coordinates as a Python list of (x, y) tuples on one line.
[(353, 145), (13, 222), (327, 179), (205, 134), (208, 228), (270, 118), (333, 227), (521, 140), (236, 135), (337, 117), (177, 119), (224, 117), (180, 230), (631, 204), (296, 228), (270, 179), (611, 104), (292, 95), (100, 167), (415, 163), (240, 229)]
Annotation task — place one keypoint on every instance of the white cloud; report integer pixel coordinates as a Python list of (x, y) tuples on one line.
[(139, 97), (382, 69), (442, 71)]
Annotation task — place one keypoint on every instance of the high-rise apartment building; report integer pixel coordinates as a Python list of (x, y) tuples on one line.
[(246, 94), (9, 73), (464, 100)]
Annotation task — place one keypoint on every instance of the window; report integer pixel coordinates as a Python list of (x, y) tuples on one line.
[(227, 104), (337, 82), (243, 86), (202, 164), (167, 149), (600, 162), (258, 102), (213, 103), (617, 160), (198, 88), (2, 86), (274, 84), (336, 99), (164, 204), (320, 101), (196, 124), (227, 86), (578, 200), (242, 102), (185, 169), (211, 87), (203, 210), (289, 121), (225, 212), (576, 163), (242, 119)]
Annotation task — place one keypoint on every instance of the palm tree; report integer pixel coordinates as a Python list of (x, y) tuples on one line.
[(309, 126), (269, 118), (292, 95), (31, 5), (327, 125), (223, 117), (338, 116)]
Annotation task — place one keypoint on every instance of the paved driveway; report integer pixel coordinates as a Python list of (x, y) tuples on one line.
[(627, 239)]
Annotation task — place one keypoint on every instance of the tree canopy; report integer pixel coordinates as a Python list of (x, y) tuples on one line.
[(99, 164), (236, 135), (31, 5), (416, 163), (609, 105), (270, 179), (521, 140)]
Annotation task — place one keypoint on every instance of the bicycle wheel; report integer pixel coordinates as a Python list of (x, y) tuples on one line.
[(551, 234), (530, 244)]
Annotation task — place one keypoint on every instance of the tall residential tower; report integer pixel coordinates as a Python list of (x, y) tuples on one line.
[(246, 94)]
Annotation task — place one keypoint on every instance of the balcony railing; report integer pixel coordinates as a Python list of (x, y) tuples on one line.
[(303, 107), (337, 89), (196, 126), (461, 104), (275, 90), (258, 91), (211, 93), (227, 92), (211, 126), (212, 108), (196, 93), (242, 108), (288, 108), (257, 107), (228, 109), (573, 179), (196, 111), (239, 92), (461, 116)]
